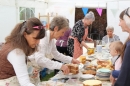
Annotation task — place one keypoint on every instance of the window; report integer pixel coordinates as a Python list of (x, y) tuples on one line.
[(26, 13)]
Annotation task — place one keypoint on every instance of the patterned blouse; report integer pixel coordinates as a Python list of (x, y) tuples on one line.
[(78, 32)]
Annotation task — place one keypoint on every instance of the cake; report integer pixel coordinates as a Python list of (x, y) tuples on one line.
[(92, 83), (82, 59), (73, 68), (93, 72)]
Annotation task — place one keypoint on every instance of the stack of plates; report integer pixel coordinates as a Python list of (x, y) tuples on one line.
[(103, 74)]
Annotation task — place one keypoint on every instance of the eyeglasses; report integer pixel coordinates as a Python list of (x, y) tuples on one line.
[(39, 27), (126, 12)]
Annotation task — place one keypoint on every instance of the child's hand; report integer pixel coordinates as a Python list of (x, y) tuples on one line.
[(112, 80)]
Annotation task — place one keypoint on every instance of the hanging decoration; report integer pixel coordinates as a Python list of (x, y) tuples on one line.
[(85, 10), (99, 10), (114, 11)]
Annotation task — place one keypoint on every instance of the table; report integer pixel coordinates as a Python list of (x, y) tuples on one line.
[(61, 75), (98, 55)]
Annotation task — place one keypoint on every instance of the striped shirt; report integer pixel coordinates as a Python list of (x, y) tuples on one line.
[(109, 40)]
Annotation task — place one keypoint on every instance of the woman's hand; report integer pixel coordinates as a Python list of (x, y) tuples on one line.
[(74, 61), (65, 69), (89, 39)]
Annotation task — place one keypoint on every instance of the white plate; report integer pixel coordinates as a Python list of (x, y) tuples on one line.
[(103, 59), (87, 76)]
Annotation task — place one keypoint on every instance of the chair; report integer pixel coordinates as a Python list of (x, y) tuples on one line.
[(95, 36)]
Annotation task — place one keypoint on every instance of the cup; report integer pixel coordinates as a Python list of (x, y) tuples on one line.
[(99, 48), (90, 51), (103, 43)]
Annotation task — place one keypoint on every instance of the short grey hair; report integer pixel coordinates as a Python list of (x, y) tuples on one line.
[(59, 21), (90, 16), (110, 28)]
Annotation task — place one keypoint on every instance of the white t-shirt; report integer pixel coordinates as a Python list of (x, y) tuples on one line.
[(17, 58)]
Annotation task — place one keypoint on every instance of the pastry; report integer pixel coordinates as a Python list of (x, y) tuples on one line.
[(82, 59), (73, 68), (89, 72)]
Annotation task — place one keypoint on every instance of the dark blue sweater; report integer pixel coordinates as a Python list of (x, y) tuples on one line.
[(124, 76)]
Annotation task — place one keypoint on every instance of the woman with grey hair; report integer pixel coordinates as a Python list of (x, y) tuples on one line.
[(110, 37), (47, 47), (79, 34)]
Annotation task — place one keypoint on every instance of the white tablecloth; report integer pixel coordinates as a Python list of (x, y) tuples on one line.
[(96, 55)]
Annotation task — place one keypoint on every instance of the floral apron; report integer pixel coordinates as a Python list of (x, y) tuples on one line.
[(78, 50)]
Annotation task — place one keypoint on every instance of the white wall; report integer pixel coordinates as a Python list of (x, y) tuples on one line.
[(67, 11), (9, 14), (9, 11), (114, 20), (7, 18)]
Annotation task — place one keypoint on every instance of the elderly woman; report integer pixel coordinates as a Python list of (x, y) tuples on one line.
[(47, 47), (110, 37), (79, 34)]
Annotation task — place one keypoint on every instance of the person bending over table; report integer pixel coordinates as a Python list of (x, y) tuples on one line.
[(21, 43), (47, 47)]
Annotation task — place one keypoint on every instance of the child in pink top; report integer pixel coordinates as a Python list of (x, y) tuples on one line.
[(115, 51)]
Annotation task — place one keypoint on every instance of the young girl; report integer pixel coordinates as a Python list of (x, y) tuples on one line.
[(116, 51)]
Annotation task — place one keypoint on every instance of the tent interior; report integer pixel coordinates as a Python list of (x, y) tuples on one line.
[(14, 11)]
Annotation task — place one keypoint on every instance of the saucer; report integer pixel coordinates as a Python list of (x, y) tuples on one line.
[(86, 76)]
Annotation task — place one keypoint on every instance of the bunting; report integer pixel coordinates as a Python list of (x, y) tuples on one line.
[(114, 11), (85, 10), (99, 10)]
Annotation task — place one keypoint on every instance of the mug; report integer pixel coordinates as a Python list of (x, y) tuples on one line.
[(99, 48)]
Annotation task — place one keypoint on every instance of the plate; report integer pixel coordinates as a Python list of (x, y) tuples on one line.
[(104, 70), (103, 59), (86, 76), (103, 79)]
